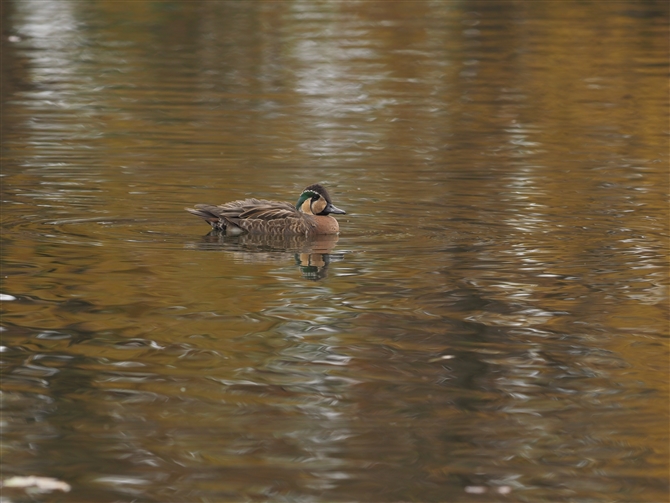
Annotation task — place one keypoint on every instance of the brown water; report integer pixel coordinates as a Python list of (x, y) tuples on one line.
[(491, 324)]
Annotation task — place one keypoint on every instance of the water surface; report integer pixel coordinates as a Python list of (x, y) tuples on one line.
[(490, 325)]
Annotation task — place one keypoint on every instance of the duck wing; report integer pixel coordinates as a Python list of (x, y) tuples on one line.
[(255, 216), (266, 210)]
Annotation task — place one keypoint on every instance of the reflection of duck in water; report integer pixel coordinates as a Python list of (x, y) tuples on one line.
[(309, 217), (312, 254), (314, 262)]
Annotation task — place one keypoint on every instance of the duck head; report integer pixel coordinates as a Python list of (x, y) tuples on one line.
[(315, 200)]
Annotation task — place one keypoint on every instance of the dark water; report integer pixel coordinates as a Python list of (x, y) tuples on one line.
[(491, 324)]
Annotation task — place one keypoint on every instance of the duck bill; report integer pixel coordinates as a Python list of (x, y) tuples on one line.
[(334, 209)]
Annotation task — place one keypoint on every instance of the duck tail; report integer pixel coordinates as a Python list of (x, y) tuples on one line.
[(203, 211)]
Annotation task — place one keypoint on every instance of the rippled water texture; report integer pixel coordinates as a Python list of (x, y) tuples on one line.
[(490, 325)]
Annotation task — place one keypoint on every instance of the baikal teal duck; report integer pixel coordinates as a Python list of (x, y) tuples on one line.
[(311, 216)]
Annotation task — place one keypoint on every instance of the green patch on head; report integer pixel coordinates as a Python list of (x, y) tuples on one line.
[(307, 194)]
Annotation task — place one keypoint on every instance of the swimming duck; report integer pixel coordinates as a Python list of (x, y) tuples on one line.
[(310, 216)]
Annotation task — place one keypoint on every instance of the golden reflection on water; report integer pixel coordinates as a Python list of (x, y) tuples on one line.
[(490, 320)]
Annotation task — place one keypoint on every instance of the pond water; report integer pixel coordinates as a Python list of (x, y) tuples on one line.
[(490, 325)]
